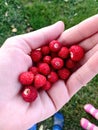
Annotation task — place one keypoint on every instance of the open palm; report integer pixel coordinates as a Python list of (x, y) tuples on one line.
[(17, 114)]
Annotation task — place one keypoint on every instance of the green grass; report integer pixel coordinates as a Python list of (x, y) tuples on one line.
[(44, 13), (28, 15), (11, 16)]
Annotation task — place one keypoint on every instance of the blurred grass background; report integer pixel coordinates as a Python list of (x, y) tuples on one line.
[(21, 16)]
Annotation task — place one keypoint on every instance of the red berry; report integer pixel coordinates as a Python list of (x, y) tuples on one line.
[(52, 77), (29, 94), (76, 52), (39, 80), (47, 59), (36, 55), (47, 86), (45, 50), (34, 70), (54, 46), (26, 78), (70, 64), (64, 73), (44, 68), (57, 63), (64, 52)]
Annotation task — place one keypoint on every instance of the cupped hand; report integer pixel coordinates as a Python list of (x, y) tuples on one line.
[(86, 35), (15, 113)]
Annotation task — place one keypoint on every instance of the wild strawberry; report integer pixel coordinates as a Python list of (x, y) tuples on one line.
[(64, 73), (47, 59), (54, 46), (26, 78), (36, 55), (47, 86), (76, 52), (34, 70), (44, 68), (45, 50), (39, 80), (29, 93), (70, 63), (64, 52), (57, 63), (52, 77)]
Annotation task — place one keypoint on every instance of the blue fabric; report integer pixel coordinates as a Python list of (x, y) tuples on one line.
[(34, 127), (58, 122), (59, 119), (56, 127)]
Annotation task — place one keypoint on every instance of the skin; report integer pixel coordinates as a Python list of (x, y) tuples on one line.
[(84, 120), (17, 114)]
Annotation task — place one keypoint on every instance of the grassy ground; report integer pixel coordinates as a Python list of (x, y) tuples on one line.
[(20, 16)]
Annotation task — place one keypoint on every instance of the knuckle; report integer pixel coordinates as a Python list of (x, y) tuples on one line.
[(79, 79)]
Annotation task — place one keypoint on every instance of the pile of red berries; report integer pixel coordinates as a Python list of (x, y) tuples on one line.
[(50, 63)]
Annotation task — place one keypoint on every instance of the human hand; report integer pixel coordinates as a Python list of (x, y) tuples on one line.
[(15, 113), (86, 124), (12, 105), (86, 35)]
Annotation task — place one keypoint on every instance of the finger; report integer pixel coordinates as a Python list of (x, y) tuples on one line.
[(80, 32), (87, 56), (49, 102), (45, 35), (91, 110), (41, 109), (55, 102), (86, 125), (59, 94), (35, 39), (90, 42), (83, 75), (90, 46)]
